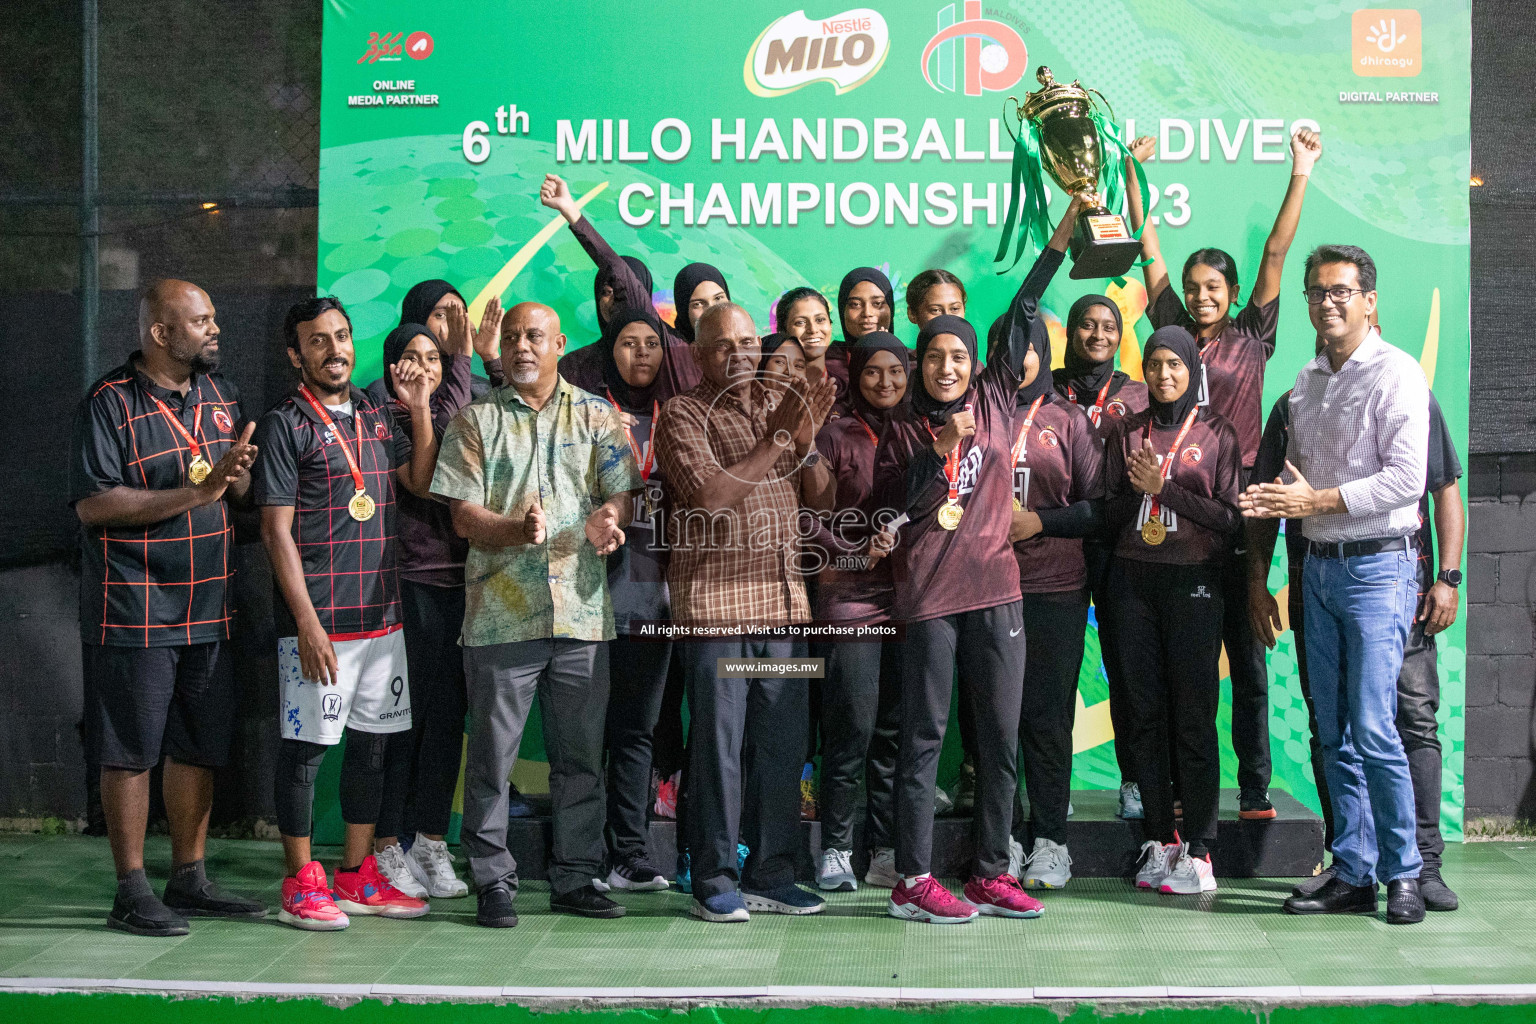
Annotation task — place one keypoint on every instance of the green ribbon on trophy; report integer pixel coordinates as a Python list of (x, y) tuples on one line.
[(1062, 131)]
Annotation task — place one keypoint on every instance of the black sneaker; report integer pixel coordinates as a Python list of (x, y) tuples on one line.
[(585, 901), (635, 875), (1405, 904), (1254, 805), (494, 908), (1308, 886), (1437, 895), (209, 900), (965, 788), (144, 914)]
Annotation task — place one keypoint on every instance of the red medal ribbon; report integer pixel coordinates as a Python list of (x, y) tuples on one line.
[(1156, 507), (868, 430), (1096, 410), (1021, 446), (951, 463), (325, 417), (192, 445), (649, 461)]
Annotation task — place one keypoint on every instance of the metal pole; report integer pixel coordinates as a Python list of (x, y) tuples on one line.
[(90, 218)]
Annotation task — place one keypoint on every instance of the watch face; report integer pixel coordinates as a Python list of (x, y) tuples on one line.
[(1452, 576)]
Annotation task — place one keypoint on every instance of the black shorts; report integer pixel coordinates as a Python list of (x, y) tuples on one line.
[(141, 702)]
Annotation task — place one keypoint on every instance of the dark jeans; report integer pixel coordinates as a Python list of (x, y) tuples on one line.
[(989, 646), (1418, 702), (1168, 627), (742, 729), (860, 735), (418, 796), (637, 679), (1097, 555), (1054, 625), (1250, 680)]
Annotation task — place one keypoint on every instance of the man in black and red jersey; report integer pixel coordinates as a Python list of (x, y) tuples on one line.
[(159, 446), (326, 487)]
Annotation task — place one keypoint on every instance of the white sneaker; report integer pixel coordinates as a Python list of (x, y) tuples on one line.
[(1016, 859), (432, 865), (1050, 866), (1130, 802), (835, 872), (882, 868), (1189, 875), (1156, 859), (393, 866), (943, 803)]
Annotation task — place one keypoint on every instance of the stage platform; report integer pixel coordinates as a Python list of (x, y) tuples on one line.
[(1103, 846), (1099, 941)]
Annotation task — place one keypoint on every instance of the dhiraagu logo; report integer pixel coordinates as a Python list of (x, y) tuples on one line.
[(844, 49), (1386, 43), (989, 55)]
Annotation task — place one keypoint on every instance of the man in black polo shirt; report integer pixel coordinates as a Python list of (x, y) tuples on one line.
[(326, 487), (159, 444)]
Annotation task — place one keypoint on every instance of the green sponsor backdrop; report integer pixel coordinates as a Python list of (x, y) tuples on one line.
[(412, 188)]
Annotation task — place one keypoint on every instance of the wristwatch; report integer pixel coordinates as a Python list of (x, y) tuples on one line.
[(810, 458), (1450, 577)]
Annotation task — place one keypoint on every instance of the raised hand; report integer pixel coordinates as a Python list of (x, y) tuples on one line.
[(556, 195), (961, 425), (1143, 147), (232, 465), (412, 387), (487, 343), (1306, 147)]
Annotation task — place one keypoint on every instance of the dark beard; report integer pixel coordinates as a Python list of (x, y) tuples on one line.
[(203, 364), (320, 387)]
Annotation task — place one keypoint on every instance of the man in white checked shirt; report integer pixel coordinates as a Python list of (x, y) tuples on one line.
[(1358, 449)]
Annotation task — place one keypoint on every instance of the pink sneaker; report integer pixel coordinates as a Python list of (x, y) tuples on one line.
[(307, 902), (928, 901), (666, 797), (1001, 896), (366, 891)]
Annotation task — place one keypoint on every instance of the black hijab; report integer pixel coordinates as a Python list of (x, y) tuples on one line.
[(1087, 378), (399, 338), (630, 399), (605, 279), (418, 303), (856, 276), (1181, 343), (858, 357), (683, 285), (1040, 341), (938, 412)]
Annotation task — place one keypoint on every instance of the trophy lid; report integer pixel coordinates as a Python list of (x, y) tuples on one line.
[(1050, 94)]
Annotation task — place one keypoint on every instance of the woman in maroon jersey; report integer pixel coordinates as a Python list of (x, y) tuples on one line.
[(865, 303), (861, 694), (1234, 348), (1088, 379), (945, 461), (1057, 465), (1171, 475), (803, 314)]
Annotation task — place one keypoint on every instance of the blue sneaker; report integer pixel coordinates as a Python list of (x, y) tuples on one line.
[(742, 853), (786, 899), (517, 804), (721, 908), (684, 875)]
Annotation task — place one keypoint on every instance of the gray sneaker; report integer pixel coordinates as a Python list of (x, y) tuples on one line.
[(1050, 866), (835, 872), (1130, 802), (882, 868)]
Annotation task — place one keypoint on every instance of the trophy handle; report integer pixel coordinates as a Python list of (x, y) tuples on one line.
[(1018, 116), (1106, 104)]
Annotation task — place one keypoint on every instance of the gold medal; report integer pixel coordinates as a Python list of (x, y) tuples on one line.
[(949, 515), (198, 469), (1018, 506), (1154, 532), (361, 507)]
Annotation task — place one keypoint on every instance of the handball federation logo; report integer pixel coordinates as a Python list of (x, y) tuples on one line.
[(989, 55)]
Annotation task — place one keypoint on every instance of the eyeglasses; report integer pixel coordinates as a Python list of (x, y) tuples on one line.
[(1339, 294)]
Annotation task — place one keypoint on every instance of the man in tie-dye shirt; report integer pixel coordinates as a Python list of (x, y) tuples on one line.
[(540, 480)]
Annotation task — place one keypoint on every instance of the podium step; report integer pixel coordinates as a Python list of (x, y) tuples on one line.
[(1102, 846)]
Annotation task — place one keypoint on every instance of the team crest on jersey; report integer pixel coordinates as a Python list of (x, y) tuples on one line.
[(1116, 406), (1191, 455), (380, 431), (222, 421), (1048, 438)]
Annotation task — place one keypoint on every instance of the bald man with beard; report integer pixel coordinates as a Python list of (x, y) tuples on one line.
[(540, 479), (159, 447)]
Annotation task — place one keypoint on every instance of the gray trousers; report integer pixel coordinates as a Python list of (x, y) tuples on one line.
[(571, 680), (746, 745)]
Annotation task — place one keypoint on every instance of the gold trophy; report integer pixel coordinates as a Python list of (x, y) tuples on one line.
[(1072, 152)]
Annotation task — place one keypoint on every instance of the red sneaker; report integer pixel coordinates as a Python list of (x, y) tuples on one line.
[(666, 797), (366, 891), (928, 901), (1001, 896), (307, 902)]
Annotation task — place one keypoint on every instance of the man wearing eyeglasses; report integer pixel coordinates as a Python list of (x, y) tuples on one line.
[(1356, 467)]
